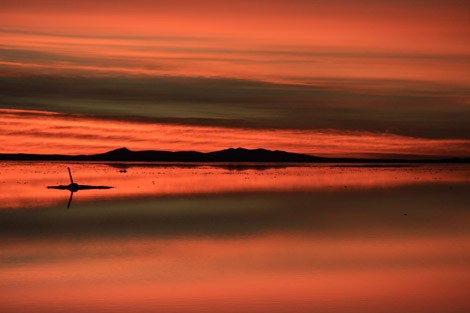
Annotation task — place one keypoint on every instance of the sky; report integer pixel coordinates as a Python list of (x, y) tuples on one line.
[(329, 78)]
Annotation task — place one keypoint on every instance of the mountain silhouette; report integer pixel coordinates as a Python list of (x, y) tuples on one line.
[(227, 155)]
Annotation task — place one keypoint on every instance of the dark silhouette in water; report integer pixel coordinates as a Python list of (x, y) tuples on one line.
[(74, 187)]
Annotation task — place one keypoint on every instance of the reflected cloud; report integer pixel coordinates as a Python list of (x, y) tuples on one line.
[(284, 239), (23, 183)]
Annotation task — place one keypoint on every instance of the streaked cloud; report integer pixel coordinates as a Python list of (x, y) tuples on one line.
[(392, 69), (417, 109), (44, 132)]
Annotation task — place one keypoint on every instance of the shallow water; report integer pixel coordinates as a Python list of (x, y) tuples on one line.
[(219, 238)]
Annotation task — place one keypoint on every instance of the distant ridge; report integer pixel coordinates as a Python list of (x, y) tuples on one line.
[(227, 155)]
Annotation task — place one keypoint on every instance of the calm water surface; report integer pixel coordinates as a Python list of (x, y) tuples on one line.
[(218, 238)]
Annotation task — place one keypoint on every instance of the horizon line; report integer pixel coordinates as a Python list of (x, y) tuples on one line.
[(388, 158)]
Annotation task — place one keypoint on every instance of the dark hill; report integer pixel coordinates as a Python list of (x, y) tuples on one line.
[(258, 155), (124, 154), (227, 155)]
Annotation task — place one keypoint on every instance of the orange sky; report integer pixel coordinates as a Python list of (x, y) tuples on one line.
[(327, 78), (43, 132)]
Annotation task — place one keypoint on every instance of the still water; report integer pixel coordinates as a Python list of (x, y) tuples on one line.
[(219, 238)]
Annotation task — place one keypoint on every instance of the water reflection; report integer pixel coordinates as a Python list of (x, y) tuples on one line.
[(22, 184), (209, 239)]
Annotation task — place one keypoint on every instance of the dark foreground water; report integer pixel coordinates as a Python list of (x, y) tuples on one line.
[(172, 238)]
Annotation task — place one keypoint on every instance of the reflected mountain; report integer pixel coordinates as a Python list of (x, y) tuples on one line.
[(74, 187), (233, 166)]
